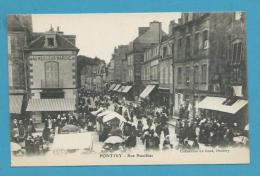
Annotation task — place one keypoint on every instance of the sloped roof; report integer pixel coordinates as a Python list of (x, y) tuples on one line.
[(62, 44)]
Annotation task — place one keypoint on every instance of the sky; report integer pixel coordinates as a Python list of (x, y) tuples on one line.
[(98, 34)]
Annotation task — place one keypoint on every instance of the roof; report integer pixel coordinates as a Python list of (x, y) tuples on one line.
[(62, 44), (165, 37)]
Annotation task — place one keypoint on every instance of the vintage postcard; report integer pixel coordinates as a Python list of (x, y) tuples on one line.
[(128, 89)]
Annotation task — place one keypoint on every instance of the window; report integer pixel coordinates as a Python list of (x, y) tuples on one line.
[(205, 39), (179, 45), (187, 76), (163, 75), (196, 43), (196, 74), (187, 48), (50, 42), (173, 50), (179, 75), (164, 51), (237, 52), (204, 74), (166, 75), (51, 74)]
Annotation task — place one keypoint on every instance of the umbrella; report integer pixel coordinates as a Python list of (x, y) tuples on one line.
[(70, 128), (113, 115), (15, 147), (114, 140), (246, 127), (105, 113)]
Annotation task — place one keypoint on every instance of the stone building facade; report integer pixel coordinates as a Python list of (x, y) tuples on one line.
[(135, 56), (200, 64), (52, 74), (19, 35), (119, 57)]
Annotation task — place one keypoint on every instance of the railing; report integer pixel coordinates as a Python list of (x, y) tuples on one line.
[(51, 84)]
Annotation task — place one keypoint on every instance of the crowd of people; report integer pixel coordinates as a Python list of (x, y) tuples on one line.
[(145, 123), (209, 132)]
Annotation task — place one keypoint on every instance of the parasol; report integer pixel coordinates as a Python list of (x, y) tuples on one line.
[(114, 140), (70, 128)]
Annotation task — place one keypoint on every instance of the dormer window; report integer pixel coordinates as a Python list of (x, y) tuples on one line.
[(50, 42)]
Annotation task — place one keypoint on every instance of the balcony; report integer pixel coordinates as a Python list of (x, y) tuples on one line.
[(50, 84)]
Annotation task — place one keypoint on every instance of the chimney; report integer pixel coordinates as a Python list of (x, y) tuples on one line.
[(142, 30), (179, 21), (58, 30), (171, 27)]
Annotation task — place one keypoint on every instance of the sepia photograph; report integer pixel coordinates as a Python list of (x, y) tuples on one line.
[(128, 89)]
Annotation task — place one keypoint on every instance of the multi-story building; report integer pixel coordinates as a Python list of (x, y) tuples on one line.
[(19, 35), (52, 73), (93, 74), (165, 69), (135, 56), (110, 70), (150, 73), (200, 57), (119, 56)]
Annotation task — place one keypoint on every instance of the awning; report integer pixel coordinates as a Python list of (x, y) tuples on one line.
[(58, 104), (215, 103), (116, 87), (15, 104), (147, 91), (112, 87), (127, 89)]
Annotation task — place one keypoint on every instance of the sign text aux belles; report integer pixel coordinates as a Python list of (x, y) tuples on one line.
[(52, 58)]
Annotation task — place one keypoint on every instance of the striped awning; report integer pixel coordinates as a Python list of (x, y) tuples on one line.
[(121, 89), (15, 104), (58, 104), (126, 89), (112, 87), (147, 91), (116, 87)]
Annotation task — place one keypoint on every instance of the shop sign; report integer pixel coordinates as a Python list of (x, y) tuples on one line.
[(52, 58)]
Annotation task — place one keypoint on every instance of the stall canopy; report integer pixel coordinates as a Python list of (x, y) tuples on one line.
[(112, 87), (76, 141), (58, 104), (147, 91), (116, 87), (216, 103), (126, 89), (113, 115), (16, 102), (121, 89)]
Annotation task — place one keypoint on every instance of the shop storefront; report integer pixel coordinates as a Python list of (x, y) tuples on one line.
[(225, 109), (52, 74)]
